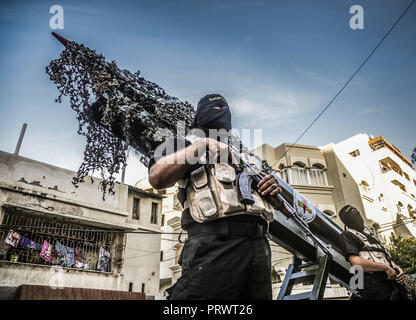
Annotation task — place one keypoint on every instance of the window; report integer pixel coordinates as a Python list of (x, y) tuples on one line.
[(355, 153), (302, 176), (399, 206), (330, 214), (397, 183), (299, 175), (153, 217), (406, 176), (388, 164), (412, 212), (95, 250), (161, 255), (136, 208), (381, 198), (364, 186), (318, 176), (163, 220)]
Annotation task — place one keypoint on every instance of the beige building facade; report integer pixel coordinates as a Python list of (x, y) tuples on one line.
[(374, 176), (116, 241), (170, 270), (305, 169)]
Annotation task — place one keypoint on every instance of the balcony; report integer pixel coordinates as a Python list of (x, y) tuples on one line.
[(380, 142)]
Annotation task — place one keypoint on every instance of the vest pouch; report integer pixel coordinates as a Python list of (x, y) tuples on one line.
[(223, 178), (261, 206), (202, 205), (378, 257), (366, 255)]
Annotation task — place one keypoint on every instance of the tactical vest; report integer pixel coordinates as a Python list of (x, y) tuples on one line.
[(373, 252), (211, 193)]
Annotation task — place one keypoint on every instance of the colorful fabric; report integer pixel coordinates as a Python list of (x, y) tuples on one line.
[(56, 257), (12, 238), (34, 245), (81, 265), (68, 260), (64, 255), (78, 254), (103, 263), (24, 242), (46, 252)]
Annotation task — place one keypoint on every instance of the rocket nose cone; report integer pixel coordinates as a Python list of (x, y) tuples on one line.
[(60, 39)]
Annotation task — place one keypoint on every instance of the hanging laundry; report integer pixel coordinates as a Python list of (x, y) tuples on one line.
[(68, 257), (103, 263), (63, 255), (12, 238), (34, 245), (78, 254), (24, 242), (46, 252), (59, 252), (81, 265), (56, 257)]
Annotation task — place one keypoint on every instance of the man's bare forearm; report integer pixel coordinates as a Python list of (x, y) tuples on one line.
[(171, 168), (367, 265)]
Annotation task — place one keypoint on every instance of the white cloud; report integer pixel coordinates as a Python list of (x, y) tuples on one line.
[(271, 105)]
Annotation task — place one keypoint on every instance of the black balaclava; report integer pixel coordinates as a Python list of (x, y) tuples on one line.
[(352, 218), (209, 116)]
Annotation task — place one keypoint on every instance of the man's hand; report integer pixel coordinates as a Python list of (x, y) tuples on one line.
[(268, 185), (400, 276), (219, 152), (391, 273)]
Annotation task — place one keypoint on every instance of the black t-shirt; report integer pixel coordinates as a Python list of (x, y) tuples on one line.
[(376, 284), (173, 145), (352, 245)]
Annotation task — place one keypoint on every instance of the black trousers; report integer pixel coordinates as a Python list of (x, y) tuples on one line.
[(376, 287), (225, 260)]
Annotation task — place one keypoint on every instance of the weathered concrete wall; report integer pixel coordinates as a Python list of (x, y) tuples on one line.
[(15, 274), (43, 189)]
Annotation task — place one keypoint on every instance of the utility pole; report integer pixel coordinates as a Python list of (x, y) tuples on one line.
[(19, 143)]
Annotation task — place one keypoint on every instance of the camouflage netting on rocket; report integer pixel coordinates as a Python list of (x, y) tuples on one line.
[(126, 104), (115, 109)]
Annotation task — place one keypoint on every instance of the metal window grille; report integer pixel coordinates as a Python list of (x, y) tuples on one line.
[(39, 228), (136, 208), (153, 218)]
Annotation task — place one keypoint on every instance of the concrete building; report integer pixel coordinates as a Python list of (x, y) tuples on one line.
[(39, 203), (305, 169), (170, 270), (374, 176)]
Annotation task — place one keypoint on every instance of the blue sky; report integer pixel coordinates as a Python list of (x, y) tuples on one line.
[(278, 63)]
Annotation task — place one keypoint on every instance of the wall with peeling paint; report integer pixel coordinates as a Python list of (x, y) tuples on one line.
[(47, 190)]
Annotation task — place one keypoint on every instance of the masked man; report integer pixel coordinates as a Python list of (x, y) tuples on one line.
[(227, 254), (383, 279)]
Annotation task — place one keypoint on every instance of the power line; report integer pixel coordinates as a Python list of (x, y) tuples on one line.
[(87, 230), (348, 81), (394, 226), (394, 222)]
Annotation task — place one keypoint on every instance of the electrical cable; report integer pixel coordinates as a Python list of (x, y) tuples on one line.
[(348, 81)]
